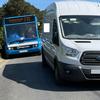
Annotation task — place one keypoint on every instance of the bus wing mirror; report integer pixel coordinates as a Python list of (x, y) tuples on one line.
[(46, 27)]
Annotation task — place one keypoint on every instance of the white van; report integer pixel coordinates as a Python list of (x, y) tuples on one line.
[(71, 39)]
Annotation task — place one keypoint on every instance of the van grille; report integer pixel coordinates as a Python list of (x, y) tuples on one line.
[(90, 58)]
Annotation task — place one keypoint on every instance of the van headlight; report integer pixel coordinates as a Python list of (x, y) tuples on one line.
[(71, 52)]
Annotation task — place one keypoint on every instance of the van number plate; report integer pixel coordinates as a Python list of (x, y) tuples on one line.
[(95, 71)]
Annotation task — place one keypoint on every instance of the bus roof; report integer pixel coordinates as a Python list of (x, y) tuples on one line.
[(75, 7)]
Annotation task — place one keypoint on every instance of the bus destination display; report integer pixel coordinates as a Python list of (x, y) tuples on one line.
[(19, 20)]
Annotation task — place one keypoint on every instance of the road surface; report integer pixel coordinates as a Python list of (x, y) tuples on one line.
[(25, 79)]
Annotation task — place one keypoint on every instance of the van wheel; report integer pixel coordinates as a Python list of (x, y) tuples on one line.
[(58, 78), (44, 62)]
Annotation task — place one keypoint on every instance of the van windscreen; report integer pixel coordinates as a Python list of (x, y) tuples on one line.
[(80, 27)]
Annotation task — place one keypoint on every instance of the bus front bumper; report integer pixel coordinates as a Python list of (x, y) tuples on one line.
[(31, 50)]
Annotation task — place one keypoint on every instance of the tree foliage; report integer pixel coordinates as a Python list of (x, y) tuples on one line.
[(19, 7), (1, 36)]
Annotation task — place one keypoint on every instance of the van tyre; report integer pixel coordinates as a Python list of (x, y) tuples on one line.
[(58, 79)]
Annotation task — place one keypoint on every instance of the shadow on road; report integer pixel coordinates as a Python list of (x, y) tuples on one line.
[(36, 77), (23, 55)]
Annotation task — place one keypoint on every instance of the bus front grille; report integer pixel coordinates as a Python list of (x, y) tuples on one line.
[(22, 47)]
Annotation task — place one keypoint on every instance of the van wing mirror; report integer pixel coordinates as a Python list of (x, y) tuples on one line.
[(46, 27)]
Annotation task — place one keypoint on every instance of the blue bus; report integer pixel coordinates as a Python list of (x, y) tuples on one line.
[(21, 35)]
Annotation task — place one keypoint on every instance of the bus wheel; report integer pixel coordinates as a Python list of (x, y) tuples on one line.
[(6, 56)]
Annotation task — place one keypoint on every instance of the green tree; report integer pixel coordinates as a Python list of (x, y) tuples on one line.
[(2, 13), (19, 7), (1, 36)]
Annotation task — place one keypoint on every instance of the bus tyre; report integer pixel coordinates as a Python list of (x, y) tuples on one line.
[(6, 56)]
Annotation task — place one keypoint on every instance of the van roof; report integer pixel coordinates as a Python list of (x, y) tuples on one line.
[(75, 7)]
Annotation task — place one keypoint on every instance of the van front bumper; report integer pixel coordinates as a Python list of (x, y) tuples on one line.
[(76, 73)]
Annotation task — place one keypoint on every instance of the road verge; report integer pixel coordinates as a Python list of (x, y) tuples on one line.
[(2, 62)]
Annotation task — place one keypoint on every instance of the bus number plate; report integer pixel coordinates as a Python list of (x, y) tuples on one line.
[(23, 51)]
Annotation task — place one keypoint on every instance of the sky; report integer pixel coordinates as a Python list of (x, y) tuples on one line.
[(41, 4)]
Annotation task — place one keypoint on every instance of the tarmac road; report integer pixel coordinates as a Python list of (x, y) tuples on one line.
[(25, 79)]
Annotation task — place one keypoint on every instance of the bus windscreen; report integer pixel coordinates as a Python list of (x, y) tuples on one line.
[(16, 33)]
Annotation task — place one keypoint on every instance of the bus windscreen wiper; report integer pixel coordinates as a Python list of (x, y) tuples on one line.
[(16, 41)]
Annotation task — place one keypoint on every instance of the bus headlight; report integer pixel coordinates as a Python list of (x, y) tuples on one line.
[(71, 52), (10, 48), (35, 45)]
